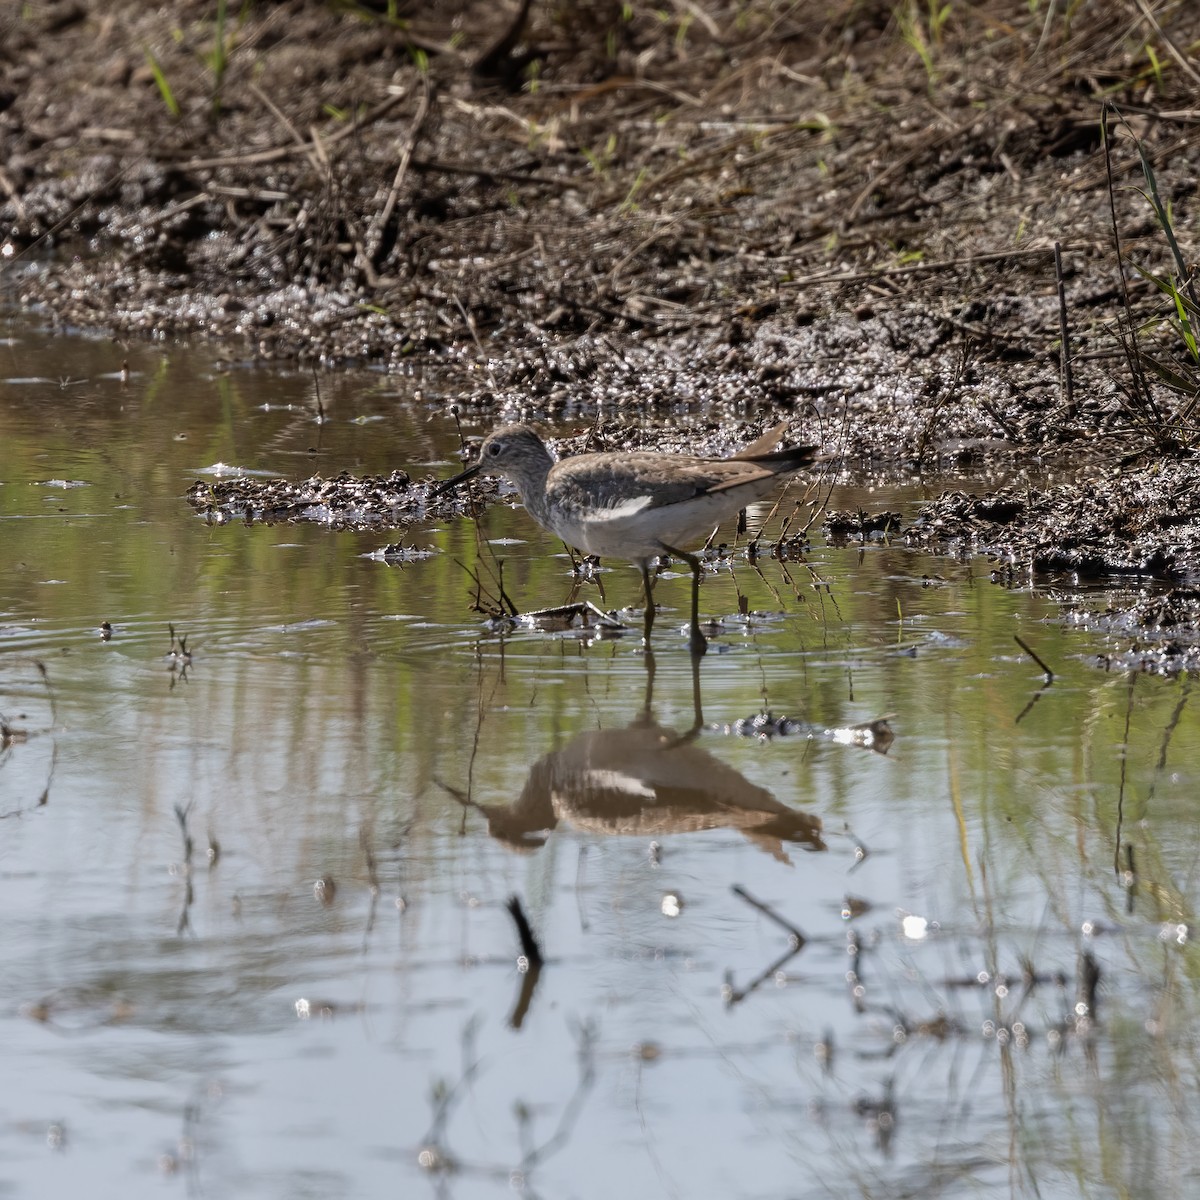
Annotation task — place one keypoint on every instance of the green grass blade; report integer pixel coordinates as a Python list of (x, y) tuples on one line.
[(164, 88)]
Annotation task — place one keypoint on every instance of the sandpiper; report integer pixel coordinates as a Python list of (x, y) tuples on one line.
[(633, 504)]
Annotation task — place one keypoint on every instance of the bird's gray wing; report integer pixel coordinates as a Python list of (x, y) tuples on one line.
[(639, 481)]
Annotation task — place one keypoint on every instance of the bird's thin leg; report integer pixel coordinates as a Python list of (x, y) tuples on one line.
[(697, 642), (697, 725), (649, 586), (697, 709), (648, 702)]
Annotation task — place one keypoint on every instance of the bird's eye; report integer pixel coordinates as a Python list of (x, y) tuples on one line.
[(494, 449)]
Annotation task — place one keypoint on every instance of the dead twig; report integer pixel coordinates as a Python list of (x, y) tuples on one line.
[(796, 942), (1068, 384), (531, 952), (377, 230), (275, 153), (922, 268), (1033, 654), (797, 937)]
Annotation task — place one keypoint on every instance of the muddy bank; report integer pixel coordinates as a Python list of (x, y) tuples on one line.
[(706, 214), (840, 210), (1137, 522)]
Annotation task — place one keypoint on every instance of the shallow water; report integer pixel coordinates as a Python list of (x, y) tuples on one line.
[(256, 936)]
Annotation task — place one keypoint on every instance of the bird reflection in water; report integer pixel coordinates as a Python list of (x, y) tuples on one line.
[(646, 781)]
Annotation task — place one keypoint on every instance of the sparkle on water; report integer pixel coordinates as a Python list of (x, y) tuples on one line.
[(255, 868)]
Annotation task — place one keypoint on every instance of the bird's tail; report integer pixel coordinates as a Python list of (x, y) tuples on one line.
[(790, 459)]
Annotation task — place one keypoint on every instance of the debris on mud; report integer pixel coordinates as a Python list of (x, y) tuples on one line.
[(1143, 521), (1160, 629), (1107, 527), (874, 735), (343, 502), (398, 552), (841, 527)]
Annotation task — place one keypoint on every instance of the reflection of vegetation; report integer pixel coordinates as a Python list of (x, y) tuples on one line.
[(435, 1154), (15, 732), (323, 685)]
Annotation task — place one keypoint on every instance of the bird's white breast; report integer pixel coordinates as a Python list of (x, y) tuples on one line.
[(635, 528)]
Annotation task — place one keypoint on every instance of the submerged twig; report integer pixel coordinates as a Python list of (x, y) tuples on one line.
[(530, 950), (1124, 768), (41, 666), (317, 393), (796, 942), (529, 964), (1034, 655), (182, 812), (1049, 678), (767, 911)]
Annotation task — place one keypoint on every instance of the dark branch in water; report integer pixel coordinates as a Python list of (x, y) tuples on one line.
[(1089, 982), (317, 394), (181, 815), (767, 911), (1033, 654), (11, 735), (585, 1036), (530, 949), (435, 1155), (1120, 830), (179, 655), (1049, 679), (1130, 878), (796, 941), (41, 666)]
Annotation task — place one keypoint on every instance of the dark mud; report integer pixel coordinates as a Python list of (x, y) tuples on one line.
[(344, 502), (1144, 522), (709, 213)]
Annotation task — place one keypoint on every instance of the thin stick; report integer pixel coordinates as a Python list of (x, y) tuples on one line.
[(378, 228), (277, 152), (470, 323), (529, 945), (317, 390), (798, 938), (1168, 41), (1068, 383), (41, 666), (945, 264), (1033, 654), (280, 116), (504, 599)]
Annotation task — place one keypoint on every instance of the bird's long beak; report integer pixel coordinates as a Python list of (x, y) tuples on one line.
[(449, 484)]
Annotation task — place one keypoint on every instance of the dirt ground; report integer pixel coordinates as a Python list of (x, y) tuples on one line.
[(706, 210)]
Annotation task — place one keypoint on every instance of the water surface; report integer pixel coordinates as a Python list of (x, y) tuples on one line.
[(257, 937)]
